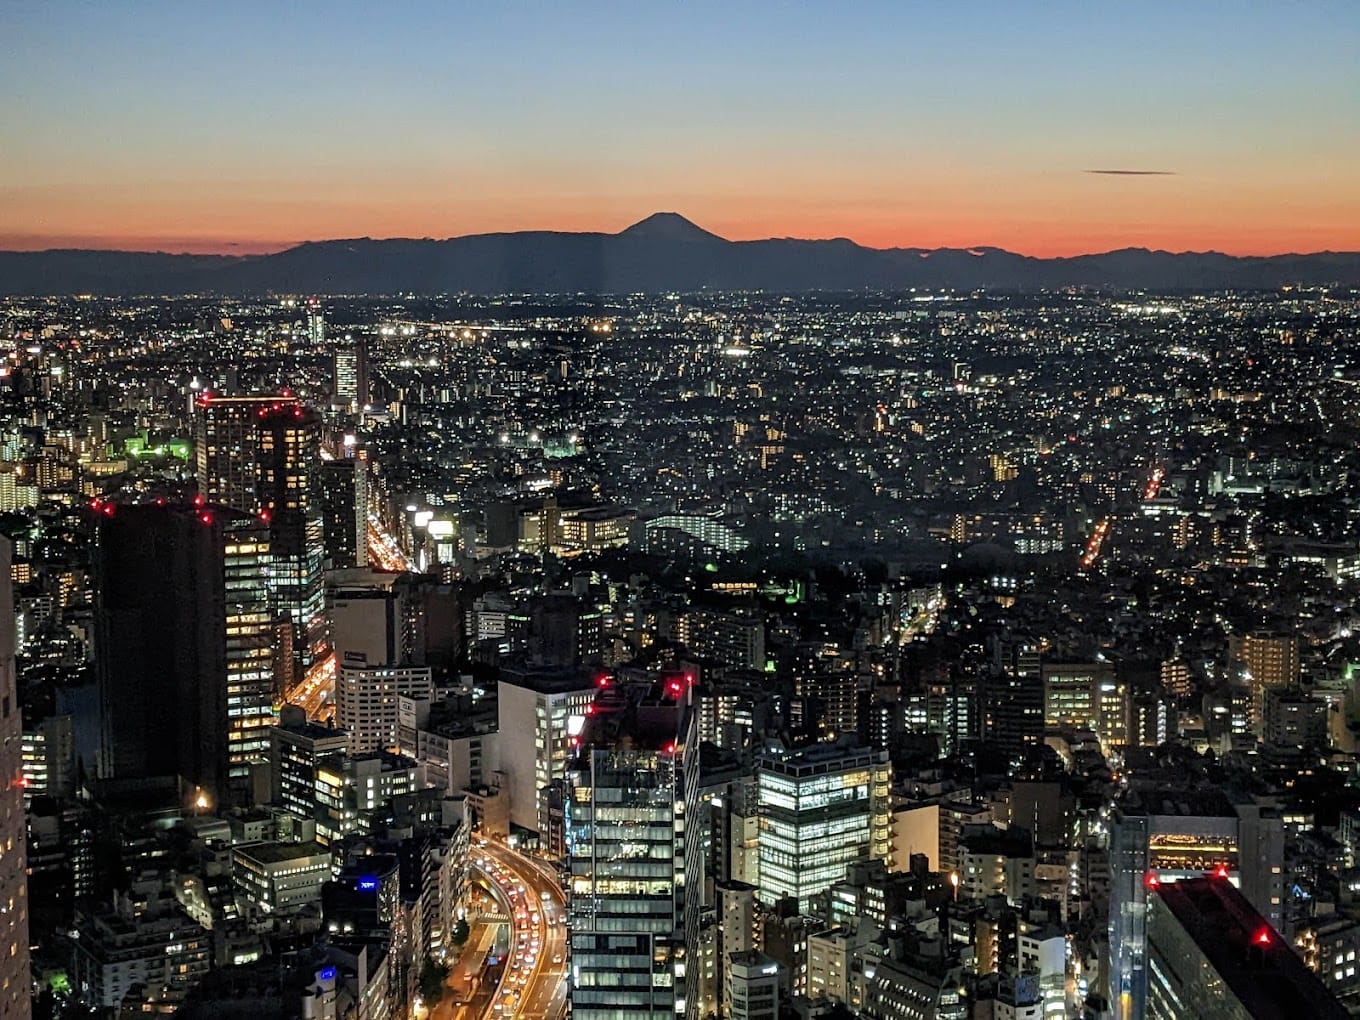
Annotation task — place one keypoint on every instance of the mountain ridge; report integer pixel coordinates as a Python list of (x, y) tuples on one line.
[(661, 253)]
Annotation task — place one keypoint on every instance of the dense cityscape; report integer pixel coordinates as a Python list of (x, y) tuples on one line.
[(909, 655)]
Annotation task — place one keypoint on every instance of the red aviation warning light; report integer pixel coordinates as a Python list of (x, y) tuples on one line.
[(1151, 881), (1221, 871), (1262, 937)]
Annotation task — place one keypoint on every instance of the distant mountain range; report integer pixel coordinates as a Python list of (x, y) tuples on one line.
[(664, 252)]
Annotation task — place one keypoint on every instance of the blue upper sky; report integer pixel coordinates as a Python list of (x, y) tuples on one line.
[(894, 123)]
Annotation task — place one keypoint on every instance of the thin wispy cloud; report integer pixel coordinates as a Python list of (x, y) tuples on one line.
[(1133, 173)]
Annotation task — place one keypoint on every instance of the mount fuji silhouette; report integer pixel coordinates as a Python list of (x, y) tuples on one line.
[(662, 253)]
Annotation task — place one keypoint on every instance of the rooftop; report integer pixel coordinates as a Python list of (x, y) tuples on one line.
[(1253, 959), (280, 853)]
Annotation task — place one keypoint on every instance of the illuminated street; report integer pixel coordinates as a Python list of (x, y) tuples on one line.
[(383, 550), (535, 982), (317, 690)]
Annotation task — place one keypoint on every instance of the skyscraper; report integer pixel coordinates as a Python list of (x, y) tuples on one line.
[(632, 848), (225, 438), (1211, 956), (350, 374), (258, 454), (183, 645), (16, 983), (342, 497), (316, 322), (552, 707), (1013, 706), (1161, 836)]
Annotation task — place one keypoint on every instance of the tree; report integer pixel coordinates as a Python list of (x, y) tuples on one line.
[(432, 978), (460, 932)]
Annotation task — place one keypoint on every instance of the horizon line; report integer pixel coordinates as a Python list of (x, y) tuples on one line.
[(25, 243)]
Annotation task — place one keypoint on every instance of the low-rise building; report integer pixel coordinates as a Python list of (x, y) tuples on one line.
[(752, 986), (279, 878), (162, 950)]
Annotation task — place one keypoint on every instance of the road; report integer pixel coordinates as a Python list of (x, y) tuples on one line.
[(536, 977), (316, 691), (1151, 488), (1093, 544), (463, 998), (1154, 484), (383, 550)]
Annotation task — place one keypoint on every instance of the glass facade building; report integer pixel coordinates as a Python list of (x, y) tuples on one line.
[(632, 851), (249, 656), (821, 810)]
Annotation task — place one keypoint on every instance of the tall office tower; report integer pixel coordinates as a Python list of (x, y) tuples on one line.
[(822, 809), (1210, 955), (287, 452), (225, 440), (350, 376), (16, 984), (342, 498), (1268, 660), (258, 454), (316, 322), (633, 785), (1160, 836), (183, 645), (247, 559)]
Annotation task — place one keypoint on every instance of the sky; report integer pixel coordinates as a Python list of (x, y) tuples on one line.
[(243, 127)]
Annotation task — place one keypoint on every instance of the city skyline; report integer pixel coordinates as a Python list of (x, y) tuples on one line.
[(679, 511), (785, 632), (1045, 131)]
